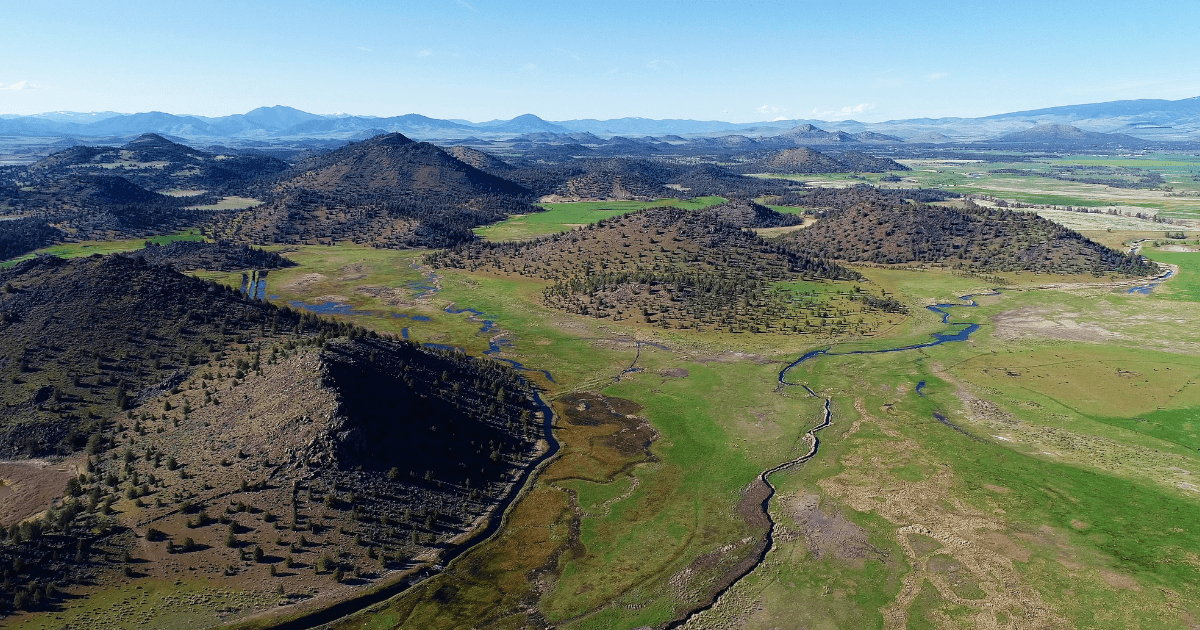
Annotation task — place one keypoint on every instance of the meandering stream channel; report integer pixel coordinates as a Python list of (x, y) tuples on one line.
[(962, 332)]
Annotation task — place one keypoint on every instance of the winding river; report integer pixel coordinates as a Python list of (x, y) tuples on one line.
[(963, 332)]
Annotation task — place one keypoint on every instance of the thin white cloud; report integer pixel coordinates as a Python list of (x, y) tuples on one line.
[(467, 5), (365, 49), (768, 109), (425, 52), (18, 86), (936, 76), (779, 118), (845, 112)]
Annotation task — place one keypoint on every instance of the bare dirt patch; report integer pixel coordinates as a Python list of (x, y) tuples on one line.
[(352, 272), (827, 533), (389, 296), (28, 486), (304, 282), (1029, 322)]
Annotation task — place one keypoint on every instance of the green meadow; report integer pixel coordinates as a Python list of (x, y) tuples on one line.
[(560, 217)]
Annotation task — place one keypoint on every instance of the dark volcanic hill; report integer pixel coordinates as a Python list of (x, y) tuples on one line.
[(387, 191), (614, 179), (801, 160), (663, 266), (885, 228), (805, 161), (156, 163), (101, 206), (21, 236), (212, 424), (481, 160), (624, 178), (863, 163), (743, 213), (222, 256)]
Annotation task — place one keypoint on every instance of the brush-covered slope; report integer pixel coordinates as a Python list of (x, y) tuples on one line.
[(220, 256), (879, 228), (21, 236), (83, 338), (209, 427), (803, 160), (810, 161), (481, 160), (664, 266), (609, 179), (156, 163), (387, 191), (616, 179), (101, 206)]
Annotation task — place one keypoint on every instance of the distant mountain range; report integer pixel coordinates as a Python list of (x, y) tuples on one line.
[(1146, 119)]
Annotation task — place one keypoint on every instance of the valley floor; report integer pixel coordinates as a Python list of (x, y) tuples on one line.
[(1042, 473)]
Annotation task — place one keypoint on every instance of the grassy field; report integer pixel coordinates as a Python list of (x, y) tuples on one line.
[(559, 217), (1187, 285)]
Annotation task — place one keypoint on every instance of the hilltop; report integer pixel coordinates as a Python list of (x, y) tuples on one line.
[(866, 225), (388, 191), (674, 268)]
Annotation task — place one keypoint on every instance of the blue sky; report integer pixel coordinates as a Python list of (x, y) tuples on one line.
[(484, 59)]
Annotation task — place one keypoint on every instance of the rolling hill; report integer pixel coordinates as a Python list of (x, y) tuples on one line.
[(388, 191), (156, 163), (99, 207), (865, 225), (810, 161), (666, 267), (207, 425)]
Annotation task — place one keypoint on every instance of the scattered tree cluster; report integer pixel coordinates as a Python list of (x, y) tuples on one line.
[(220, 256), (868, 225), (671, 268), (387, 191), (21, 236)]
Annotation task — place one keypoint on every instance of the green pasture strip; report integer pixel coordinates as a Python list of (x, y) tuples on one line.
[(560, 217), (87, 248)]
